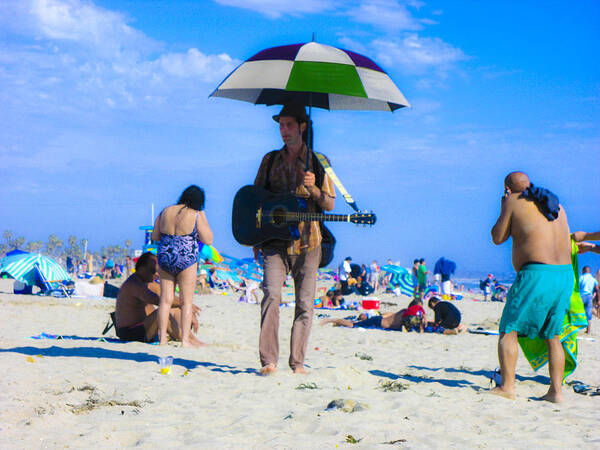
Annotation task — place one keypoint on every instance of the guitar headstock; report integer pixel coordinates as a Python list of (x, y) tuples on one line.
[(363, 218)]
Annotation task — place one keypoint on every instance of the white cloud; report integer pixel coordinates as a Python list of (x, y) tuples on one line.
[(415, 54), (83, 22), (72, 55), (387, 14), (194, 63), (278, 8)]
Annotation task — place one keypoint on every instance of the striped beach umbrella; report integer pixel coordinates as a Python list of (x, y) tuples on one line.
[(23, 267), (400, 278), (315, 75)]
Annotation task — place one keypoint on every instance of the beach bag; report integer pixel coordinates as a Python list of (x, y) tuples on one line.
[(327, 245)]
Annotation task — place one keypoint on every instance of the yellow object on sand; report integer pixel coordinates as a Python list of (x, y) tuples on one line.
[(96, 280), (30, 359)]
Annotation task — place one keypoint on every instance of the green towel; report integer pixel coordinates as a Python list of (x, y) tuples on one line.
[(536, 351)]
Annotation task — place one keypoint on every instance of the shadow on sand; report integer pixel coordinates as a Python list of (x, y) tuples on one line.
[(103, 353), (426, 379), (482, 373)]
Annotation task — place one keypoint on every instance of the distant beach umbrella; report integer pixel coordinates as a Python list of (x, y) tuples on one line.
[(315, 75), (400, 278), (23, 267)]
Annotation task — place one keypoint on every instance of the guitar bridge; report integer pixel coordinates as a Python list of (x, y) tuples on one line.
[(259, 217)]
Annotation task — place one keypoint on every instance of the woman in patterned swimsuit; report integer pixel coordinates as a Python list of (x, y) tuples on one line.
[(178, 230)]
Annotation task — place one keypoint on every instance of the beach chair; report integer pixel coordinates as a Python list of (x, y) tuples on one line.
[(112, 322), (55, 288)]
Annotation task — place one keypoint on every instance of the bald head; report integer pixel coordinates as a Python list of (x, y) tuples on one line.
[(517, 181)]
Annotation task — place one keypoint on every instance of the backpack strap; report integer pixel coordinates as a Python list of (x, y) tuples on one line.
[(270, 158)]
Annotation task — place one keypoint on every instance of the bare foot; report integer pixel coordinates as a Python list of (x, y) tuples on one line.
[(503, 393), (194, 343), (300, 370), (269, 369), (553, 397)]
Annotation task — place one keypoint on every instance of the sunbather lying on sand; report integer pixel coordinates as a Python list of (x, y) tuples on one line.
[(388, 321)]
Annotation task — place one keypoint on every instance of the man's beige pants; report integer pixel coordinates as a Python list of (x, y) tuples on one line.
[(304, 269)]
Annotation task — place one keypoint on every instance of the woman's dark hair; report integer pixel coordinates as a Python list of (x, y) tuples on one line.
[(192, 197)]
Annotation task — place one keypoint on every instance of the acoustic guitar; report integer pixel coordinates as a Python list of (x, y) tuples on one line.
[(260, 215)]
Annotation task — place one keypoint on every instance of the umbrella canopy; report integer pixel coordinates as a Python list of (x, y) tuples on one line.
[(400, 278), (315, 75), (24, 267)]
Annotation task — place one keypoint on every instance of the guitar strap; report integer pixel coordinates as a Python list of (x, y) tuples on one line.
[(329, 171)]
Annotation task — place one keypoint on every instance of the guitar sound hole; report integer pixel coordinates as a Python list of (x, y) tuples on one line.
[(278, 216)]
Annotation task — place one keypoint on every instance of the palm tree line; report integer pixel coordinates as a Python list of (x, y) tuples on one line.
[(55, 247)]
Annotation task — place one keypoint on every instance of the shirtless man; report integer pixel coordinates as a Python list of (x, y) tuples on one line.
[(540, 296), (136, 315), (387, 321)]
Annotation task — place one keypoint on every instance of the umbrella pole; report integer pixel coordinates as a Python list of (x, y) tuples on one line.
[(309, 130), (309, 143)]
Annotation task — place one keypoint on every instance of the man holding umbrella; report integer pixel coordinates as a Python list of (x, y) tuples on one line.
[(281, 171)]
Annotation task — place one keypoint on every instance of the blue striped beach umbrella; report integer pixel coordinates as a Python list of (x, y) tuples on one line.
[(23, 267), (400, 278)]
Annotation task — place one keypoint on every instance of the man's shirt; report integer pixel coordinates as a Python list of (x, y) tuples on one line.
[(587, 284), (447, 315), (284, 178), (344, 270), (414, 310), (422, 274)]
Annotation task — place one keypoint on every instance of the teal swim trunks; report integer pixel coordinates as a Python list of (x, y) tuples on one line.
[(538, 301)]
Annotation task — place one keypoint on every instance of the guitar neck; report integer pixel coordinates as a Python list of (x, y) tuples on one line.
[(316, 217)]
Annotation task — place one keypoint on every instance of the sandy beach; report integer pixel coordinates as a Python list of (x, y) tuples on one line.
[(416, 390)]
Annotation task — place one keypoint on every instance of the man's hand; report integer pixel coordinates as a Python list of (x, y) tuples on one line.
[(579, 236), (196, 310), (584, 247), (309, 180)]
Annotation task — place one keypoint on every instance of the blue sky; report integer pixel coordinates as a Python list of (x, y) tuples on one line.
[(106, 111)]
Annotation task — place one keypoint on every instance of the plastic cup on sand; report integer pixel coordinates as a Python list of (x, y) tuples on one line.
[(165, 363)]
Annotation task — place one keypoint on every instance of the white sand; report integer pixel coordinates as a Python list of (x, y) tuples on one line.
[(222, 402)]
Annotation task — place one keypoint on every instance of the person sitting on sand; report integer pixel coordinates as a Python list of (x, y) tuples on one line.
[(332, 299), (250, 288), (540, 297), (447, 316), (136, 318), (202, 283), (414, 317)]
